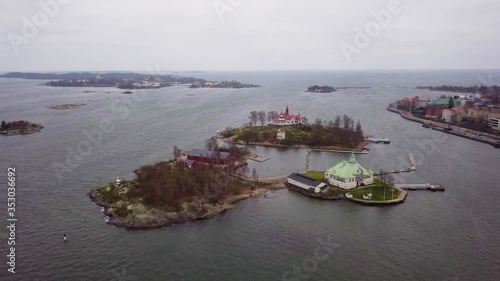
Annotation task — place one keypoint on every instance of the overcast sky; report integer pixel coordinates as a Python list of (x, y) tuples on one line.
[(253, 35)]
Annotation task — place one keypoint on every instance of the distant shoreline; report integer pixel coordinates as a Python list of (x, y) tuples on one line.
[(441, 127)]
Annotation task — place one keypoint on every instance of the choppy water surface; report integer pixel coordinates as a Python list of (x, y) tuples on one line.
[(432, 236)]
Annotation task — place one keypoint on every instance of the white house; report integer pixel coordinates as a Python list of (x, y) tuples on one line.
[(280, 135), (306, 183), (349, 174)]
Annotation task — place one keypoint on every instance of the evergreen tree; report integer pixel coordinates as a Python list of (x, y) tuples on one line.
[(4, 125), (450, 103), (359, 131)]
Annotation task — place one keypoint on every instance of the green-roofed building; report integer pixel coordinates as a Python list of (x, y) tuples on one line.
[(446, 102), (349, 174)]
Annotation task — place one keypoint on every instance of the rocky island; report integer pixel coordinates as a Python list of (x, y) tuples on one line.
[(66, 106), (176, 191), (290, 130), (480, 89), (222, 84), (19, 128), (320, 89), (123, 80)]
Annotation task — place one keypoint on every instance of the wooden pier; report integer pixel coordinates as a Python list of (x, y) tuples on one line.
[(412, 167), (256, 159), (420, 186)]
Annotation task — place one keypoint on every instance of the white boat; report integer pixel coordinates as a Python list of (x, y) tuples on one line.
[(348, 195), (366, 197)]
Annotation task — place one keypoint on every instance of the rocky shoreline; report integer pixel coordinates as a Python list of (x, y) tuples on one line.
[(162, 217), (20, 128), (66, 106), (156, 217)]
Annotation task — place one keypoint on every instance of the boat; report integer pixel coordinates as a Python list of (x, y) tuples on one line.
[(367, 197), (348, 195)]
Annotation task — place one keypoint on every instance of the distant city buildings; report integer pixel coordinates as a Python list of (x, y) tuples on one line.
[(434, 111), (456, 114), (484, 112)]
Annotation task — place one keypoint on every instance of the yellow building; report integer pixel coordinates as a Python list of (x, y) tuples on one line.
[(484, 113)]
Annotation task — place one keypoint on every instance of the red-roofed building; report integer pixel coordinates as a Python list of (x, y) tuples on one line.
[(435, 111), (286, 119)]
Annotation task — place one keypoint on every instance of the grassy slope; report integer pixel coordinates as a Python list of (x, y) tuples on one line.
[(330, 137), (376, 190)]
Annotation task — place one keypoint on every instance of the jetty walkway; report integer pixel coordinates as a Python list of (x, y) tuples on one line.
[(420, 186), (412, 167)]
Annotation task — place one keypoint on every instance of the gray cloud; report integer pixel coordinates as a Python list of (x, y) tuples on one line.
[(255, 35)]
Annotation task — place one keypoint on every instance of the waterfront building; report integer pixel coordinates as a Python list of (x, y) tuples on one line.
[(286, 119), (453, 115), (446, 102), (281, 134), (209, 156), (423, 102), (306, 183), (349, 174), (484, 112), (434, 111)]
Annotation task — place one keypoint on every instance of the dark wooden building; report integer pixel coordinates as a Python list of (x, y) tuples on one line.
[(208, 156)]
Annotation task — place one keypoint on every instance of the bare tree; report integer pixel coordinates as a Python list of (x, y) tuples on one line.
[(254, 116), (347, 122), (318, 122), (177, 152), (387, 179), (211, 144), (271, 115), (262, 117), (304, 120), (255, 177), (336, 123), (382, 176), (359, 131)]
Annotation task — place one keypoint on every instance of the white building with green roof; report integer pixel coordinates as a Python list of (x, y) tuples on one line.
[(349, 174)]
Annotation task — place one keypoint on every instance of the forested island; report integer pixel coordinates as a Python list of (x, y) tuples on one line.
[(66, 106), (480, 89), (223, 84), (19, 128), (320, 89), (340, 133), (123, 80), (173, 192)]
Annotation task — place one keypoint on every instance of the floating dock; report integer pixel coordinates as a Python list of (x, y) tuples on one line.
[(420, 186), (375, 140), (412, 167), (259, 160)]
